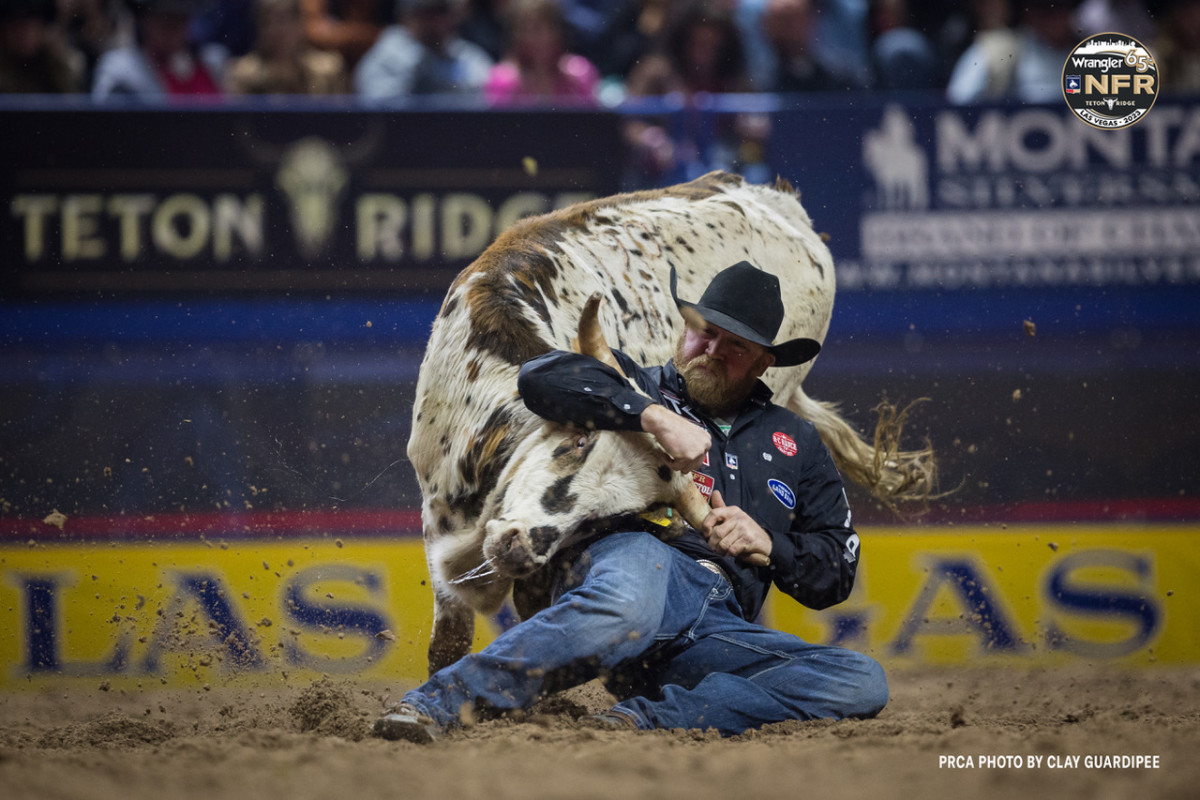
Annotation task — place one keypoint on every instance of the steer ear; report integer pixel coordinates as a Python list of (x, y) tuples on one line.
[(590, 341)]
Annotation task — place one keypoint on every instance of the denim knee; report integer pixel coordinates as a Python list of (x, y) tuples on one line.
[(870, 693), (626, 583), (617, 611)]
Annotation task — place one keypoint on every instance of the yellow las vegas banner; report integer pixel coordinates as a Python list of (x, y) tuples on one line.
[(188, 600)]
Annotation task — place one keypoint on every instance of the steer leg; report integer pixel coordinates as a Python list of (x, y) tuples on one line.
[(453, 632)]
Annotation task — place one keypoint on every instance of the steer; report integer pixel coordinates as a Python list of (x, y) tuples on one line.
[(525, 295), (562, 478)]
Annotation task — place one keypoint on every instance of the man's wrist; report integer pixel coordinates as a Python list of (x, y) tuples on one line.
[(650, 417)]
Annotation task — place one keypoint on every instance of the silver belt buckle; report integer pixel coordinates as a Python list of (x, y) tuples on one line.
[(713, 566)]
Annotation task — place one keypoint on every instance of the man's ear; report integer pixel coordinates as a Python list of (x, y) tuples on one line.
[(768, 361)]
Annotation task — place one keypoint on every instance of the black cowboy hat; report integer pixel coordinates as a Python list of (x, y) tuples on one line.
[(746, 301)]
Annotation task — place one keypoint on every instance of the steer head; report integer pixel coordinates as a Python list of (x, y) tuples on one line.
[(562, 481)]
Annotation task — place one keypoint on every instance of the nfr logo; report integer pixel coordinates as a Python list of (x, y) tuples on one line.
[(1110, 80)]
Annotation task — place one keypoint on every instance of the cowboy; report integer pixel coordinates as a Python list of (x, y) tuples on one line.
[(671, 626)]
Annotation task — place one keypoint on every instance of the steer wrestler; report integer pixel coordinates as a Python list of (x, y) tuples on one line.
[(670, 626)]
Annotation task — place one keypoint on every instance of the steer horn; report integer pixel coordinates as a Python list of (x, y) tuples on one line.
[(591, 341), (691, 504), (695, 509)]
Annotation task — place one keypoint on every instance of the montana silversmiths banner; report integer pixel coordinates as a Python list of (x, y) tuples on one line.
[(922, 195), (169, 200)]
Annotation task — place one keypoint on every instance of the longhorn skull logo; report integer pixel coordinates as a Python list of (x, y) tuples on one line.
[(312, 178), (312, 174)]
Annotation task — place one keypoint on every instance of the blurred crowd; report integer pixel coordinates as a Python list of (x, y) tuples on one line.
[(566, 52)]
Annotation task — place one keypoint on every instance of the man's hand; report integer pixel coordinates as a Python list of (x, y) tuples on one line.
[(685, 443), (730, 531)]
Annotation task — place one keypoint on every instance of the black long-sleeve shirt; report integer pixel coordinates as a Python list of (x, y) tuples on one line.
[(771, 463)]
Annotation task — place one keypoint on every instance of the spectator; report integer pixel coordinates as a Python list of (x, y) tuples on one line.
[(93, 27), (423, 55), (483, 24), (34, 58), (1024, 64), (282, 61), (954, 28), (163, 63), (1177, 49), (701, 51), (838, 40), (629, 35), (229, 23), (587, 20), (841, 40), (350, 27), (538, 67), (1130, 17), (796, 67), (901, 56)]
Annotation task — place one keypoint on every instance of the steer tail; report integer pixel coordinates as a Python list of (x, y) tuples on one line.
[(903, 480)]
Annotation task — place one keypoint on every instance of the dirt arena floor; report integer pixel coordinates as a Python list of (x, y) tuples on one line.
[(310, 741)]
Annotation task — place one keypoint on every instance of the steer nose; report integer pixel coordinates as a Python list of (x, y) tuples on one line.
[(507, 547), (509, 539)]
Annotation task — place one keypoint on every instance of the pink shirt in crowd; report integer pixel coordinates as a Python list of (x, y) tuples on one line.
[(577, 80)]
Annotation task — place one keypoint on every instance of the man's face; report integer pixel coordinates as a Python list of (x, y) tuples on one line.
[(720, 368)]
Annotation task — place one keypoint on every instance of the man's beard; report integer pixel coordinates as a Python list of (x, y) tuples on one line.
[(712, 390)]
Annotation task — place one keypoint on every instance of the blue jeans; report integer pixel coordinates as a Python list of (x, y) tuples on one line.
[(667, 635)]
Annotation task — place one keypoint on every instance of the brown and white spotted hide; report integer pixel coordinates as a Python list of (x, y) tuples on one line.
[(562, 478), (521, 298)]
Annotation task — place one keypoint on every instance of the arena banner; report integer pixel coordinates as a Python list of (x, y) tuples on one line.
[(1120, 593), (327, 199), (191, 601), (920, 195)]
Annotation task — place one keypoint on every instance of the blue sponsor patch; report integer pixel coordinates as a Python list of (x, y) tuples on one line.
[(782, 492)]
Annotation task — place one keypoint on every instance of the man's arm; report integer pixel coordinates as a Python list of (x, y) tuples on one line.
[(577, 389), (816, 559), (684, 443)]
